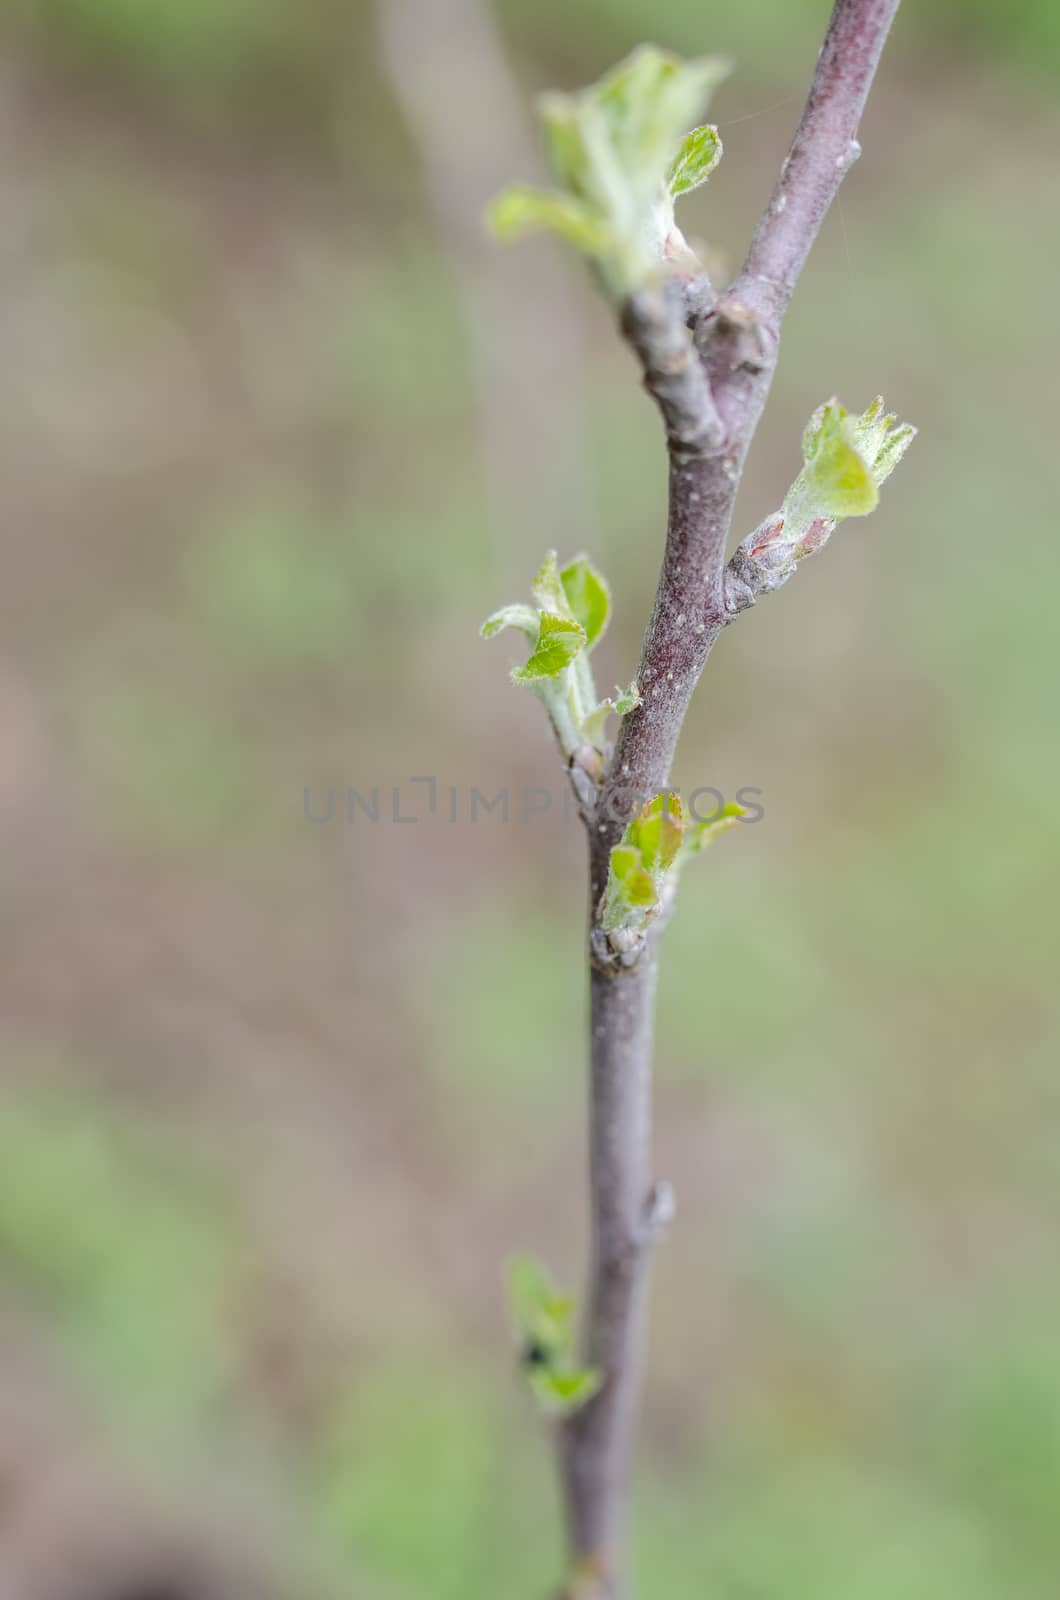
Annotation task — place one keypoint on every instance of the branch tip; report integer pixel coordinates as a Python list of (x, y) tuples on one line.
[(824, 149)]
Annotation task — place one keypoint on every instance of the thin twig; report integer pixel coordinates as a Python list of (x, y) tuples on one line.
[(824, 149), (711, 391)]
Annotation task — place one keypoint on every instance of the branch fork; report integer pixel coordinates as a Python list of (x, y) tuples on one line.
[(654, 321)]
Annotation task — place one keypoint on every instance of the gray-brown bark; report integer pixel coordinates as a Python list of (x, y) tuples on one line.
[(596, 1452), (710, 380)]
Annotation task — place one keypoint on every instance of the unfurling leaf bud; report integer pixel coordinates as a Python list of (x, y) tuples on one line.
[(572, 610), (644, 867), (618, 152), (846, 460)]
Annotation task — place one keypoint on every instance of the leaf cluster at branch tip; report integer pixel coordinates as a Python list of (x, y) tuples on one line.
[(622, 154)]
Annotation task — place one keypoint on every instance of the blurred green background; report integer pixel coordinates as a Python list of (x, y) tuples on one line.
[(279, 1097)]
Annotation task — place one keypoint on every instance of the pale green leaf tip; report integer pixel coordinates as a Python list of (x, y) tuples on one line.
[(504, 215), (548, 588), (588, 595), (521, 210), (562, 1393), (515, 616), (699, 154), (529, 1287), (701, 835)]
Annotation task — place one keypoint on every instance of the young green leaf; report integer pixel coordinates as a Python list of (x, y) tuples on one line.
[(639, 864), (570, 614), (522, 617), (559, 640), (593, 725), (625, 701), (645, 865), (548, 588), (540, 1314), (631, 895), (521, 210), (543, 1321), (837, 480), (566, 139), (699, 835), (629, 871), (588, 596), (847, 459), (560, 1393), (649, 100), (658, 831), (700, 152)]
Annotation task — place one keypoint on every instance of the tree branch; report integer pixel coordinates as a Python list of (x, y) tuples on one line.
[(711, 390), (653, 321), (596, 1443), (824, 149)]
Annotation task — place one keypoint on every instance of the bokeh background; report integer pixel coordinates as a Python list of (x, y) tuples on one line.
[(279, 1096)]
